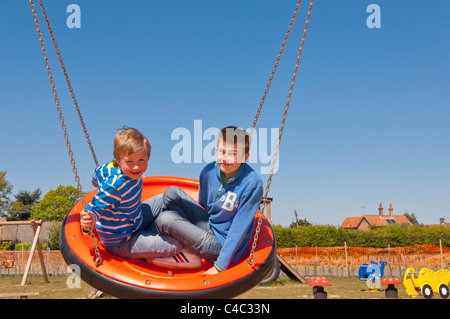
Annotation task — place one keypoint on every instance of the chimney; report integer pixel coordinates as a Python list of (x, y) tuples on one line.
[(380, 210), (391, 211), (441, 221)]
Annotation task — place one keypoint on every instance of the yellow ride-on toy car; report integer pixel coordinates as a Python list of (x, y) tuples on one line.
[(427, 282)]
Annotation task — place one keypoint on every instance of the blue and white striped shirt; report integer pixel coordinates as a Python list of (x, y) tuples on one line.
[(117, 205)]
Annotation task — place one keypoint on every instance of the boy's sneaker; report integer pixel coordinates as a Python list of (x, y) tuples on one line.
[(182, 260)]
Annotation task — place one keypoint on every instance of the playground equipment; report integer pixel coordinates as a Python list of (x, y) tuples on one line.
[(318, 283), (36, 225), (372, 274), (373, 271), (427, 282), (134, 278), (8, 262), (391, 292), (21, 295), (111, 273)]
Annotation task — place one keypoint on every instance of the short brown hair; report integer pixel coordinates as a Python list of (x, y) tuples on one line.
[(130, 140), (239, 135)]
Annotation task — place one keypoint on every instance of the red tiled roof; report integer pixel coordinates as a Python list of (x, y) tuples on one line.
[(374, 220), (351, 222), (401, 219)]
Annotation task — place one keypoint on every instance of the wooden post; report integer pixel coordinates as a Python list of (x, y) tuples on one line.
[(41, 256), (268, 213), (346, 260), (30, 257), (23, 222), (23, 257), (37, 231)]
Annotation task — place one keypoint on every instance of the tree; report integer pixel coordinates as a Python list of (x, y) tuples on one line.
[(21, 208), (301, 222), (412, 218), (55, 204), (54, 232), (5, 190)]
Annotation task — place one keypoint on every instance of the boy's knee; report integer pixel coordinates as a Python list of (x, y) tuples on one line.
[(160, 222), (171, 191), (170, 194), (164, 220)]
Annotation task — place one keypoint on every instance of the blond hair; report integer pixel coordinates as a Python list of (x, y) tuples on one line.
[(128, 141)]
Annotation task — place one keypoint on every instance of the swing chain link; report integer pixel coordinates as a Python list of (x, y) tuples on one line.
[(274, 70), (98, 259), (250, 260), (63, 67)]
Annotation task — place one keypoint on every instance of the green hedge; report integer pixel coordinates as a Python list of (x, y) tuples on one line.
[(379, 237), (27, 246)]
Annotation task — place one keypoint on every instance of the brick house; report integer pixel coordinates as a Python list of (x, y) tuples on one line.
[(441, 223), (365, 221)]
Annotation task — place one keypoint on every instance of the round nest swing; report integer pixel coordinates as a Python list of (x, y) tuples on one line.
[(126, 278), (135, 278)]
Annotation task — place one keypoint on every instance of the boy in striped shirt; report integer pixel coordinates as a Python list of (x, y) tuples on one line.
[(125, 225)]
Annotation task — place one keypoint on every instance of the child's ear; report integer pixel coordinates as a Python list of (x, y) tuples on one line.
[(116, 159)]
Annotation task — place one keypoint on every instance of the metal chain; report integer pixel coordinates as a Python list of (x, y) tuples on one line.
[(64, 128), (250, 260), (63, 67), (274, 70), (98, 259)]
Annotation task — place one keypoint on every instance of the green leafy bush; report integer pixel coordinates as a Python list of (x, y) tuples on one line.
[(55, 204), (377, 237)]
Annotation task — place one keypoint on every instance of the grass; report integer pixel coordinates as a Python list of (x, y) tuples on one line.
[(283, 288), (56, 289), (342, 288)]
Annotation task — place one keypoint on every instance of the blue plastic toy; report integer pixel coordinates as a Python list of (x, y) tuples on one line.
[(372, 272)]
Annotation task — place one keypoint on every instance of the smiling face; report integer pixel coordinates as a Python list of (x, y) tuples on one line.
[(134, 165), (131, 152), (232, 149), (229, 158)]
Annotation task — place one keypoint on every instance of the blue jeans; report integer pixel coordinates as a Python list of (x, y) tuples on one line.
[(188, 222), (146, 242)]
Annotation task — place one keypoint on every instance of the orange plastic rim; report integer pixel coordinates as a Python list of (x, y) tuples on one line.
[(137, 278)]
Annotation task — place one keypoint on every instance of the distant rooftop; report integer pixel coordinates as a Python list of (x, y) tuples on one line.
[(365, 221)]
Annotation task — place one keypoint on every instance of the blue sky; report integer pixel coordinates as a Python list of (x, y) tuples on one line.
[(369, 117)]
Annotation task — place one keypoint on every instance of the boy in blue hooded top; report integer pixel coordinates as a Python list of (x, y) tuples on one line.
[(219, 227)]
